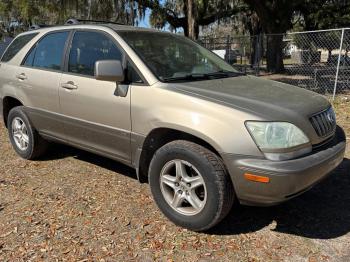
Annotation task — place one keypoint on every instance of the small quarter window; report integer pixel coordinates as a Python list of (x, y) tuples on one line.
[(89, 47), (16, 46), (30, 58), (132, 75), (48, 52)]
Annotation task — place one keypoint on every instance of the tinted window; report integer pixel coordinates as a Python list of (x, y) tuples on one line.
[(48, 52), (89, 47), (170, 56), (16, 46), (132, 74)]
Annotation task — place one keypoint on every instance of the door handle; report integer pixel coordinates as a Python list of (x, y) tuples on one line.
[(69, 85), (21, 76)]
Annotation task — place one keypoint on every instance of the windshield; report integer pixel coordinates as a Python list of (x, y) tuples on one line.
[(172, 57)]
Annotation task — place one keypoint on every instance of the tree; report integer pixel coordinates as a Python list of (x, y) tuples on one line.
[(276, 19), (28, 12), (189, 14), (186, 14), (324, 14), (255, 30)]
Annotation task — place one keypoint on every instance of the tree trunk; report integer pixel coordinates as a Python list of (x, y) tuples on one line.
[(275, 18), (89, 9), (256, 48), (185, 28), (191, 20), (196, 31), (132, 13), (255, 30), (274, 54)]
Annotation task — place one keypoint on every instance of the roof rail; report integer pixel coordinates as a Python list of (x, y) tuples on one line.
[(73, 21)]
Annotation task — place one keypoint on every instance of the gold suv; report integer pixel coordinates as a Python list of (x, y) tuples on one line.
[(200, 133)]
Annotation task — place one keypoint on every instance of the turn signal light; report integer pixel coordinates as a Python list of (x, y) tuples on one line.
[(255, 178)]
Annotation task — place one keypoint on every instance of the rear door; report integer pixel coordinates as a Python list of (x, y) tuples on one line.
[(96, 118), (7, 67), (39, 78)]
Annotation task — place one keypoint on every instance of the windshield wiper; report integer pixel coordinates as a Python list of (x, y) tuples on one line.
[(188, 77), (207, 76), (224, 73)]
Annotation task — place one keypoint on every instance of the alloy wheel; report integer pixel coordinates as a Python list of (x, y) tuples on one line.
[(183, 187), (20, 134)]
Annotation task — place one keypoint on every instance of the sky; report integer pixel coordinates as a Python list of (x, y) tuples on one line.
[(145, 21)]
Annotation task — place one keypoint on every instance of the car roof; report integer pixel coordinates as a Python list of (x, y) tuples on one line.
[(114, 27), (129, 28)]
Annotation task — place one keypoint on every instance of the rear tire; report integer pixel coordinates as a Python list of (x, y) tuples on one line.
[(190, 185), (26, 141)]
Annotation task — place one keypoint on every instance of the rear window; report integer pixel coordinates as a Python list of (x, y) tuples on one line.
[(16, 46)]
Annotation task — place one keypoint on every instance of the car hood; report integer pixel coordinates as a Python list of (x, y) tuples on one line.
[(268, 99)]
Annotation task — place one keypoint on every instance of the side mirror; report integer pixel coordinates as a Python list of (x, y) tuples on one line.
[(109, 70)]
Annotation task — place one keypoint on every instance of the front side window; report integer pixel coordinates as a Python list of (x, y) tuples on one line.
[(89, 47), (16, 46), (173, 57), (48, 52)]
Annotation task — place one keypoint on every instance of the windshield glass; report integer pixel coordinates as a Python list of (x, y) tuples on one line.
[(172, 57)]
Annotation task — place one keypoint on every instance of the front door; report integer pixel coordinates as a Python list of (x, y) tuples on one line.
[(96, 119)]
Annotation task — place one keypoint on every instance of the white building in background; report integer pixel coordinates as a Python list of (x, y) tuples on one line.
[(290, 47)]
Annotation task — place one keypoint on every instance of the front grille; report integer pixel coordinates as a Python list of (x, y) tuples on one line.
[(324, 122)]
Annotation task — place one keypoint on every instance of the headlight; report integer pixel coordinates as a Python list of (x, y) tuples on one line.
[(279, 140)]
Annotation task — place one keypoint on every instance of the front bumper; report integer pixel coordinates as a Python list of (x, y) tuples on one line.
[(287, 178)]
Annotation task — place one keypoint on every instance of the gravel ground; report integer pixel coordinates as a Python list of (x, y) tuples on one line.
[(75, 206)]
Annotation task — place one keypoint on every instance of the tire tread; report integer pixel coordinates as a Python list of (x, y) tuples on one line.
[(222, 180), (40, 145)]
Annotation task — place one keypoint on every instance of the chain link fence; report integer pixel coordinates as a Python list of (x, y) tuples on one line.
[(315, 60)]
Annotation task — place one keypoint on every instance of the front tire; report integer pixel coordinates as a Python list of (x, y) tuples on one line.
[(190, 185), (26, 141)]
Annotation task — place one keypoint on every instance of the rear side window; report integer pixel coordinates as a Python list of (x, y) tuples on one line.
[(48, 52), (89, 47), (16, 46)]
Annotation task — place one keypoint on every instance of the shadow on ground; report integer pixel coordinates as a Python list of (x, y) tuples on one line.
[(323, 212), (58, 151)]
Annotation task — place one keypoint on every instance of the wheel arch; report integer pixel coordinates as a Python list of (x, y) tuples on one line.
[(9, 102), (161, 136)]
